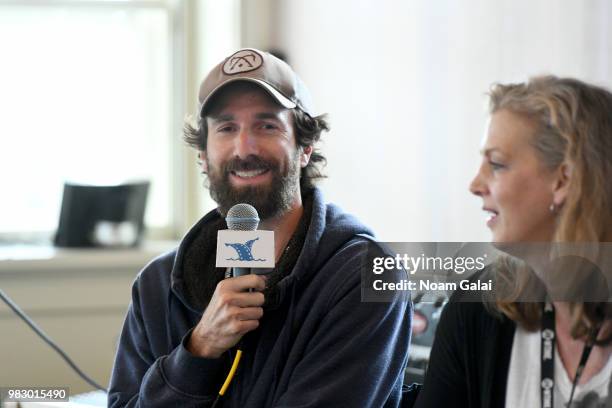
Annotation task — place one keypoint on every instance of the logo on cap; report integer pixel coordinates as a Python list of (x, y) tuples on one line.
[(242, 61)]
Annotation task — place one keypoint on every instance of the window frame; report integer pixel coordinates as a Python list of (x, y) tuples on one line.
[(178, 19)]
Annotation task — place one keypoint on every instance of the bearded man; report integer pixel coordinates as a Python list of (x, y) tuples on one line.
[(306, 339)]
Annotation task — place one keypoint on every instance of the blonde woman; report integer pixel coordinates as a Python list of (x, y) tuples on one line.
[(545, 176)]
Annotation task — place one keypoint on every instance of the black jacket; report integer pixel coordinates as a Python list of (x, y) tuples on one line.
[(470, 357), (321, 347)]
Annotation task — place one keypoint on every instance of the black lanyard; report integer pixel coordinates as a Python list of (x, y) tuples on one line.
[(547, 354)]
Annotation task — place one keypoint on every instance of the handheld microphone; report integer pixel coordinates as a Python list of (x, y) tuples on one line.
[(242, 221), (242, 217)]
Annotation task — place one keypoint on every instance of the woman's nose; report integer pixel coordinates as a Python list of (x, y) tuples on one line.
[(477, 186)]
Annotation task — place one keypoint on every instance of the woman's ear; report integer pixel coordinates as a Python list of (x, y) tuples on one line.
[(305, 156), (561, 184)]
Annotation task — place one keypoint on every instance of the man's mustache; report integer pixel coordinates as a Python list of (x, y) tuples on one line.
[(251, 162)]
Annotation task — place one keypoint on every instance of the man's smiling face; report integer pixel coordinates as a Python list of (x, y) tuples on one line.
[(251, 151)]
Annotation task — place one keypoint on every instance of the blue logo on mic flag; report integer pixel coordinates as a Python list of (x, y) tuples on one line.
[(245, 249)]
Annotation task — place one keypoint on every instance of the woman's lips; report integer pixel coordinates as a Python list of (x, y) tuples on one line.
[(491, 216)]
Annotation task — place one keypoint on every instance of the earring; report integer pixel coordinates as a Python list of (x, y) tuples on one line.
[(552, 208)]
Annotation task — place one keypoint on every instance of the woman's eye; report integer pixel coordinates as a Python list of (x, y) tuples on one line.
[(495, 165)]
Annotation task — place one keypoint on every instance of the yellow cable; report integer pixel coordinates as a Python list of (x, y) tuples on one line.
[(228, 380)]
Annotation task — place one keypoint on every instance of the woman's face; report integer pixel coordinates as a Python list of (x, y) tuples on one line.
[(516, 188)]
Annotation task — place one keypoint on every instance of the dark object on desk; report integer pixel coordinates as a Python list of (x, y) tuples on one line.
[(424, 324), (410, 394), (102, 216)]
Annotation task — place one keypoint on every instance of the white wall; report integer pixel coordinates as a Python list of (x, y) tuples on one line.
[(79, 298), (404, 83)]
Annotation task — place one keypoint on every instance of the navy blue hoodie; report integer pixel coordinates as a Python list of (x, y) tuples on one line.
[(322, 347)]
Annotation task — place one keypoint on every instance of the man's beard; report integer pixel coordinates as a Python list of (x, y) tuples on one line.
[(270, 200)]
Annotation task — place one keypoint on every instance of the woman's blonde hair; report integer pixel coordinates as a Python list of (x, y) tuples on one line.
[(574, 127)]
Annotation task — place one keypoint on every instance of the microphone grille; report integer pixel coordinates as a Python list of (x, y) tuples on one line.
[(242, 217)]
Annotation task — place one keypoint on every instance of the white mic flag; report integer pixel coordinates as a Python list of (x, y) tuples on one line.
[(245, 249)]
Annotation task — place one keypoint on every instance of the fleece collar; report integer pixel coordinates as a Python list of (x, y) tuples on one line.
[(321, 231)]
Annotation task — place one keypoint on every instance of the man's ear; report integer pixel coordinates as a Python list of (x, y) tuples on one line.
[(561, 184), (305, 156), (202, 161)]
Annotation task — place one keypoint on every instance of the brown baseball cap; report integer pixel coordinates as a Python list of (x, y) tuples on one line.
[(264, 69)]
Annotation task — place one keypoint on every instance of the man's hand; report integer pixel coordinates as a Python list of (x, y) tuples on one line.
[(232, 312)]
